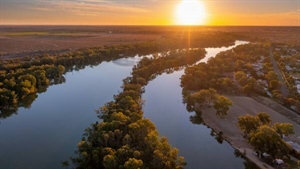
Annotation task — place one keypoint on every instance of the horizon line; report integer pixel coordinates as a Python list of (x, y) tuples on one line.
[(149, 25)]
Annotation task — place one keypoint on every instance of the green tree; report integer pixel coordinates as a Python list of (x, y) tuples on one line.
[(274, 84), (133, 163), (221, 104), (202, 98), (267, 140), (110, 162), (276, 55), (7, 98), (243, 81), (248, 123), (239, 75), (239, 64), (41, 78), (247, 89), (264, 118), (124, 139), (288, 102), (284, 129), (26, 84), (253, 83), (271, 75)]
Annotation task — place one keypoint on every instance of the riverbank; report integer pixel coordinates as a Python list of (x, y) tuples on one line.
[(231, 132)]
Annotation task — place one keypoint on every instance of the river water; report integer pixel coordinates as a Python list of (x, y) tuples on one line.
[(47, 133), (164, 107)]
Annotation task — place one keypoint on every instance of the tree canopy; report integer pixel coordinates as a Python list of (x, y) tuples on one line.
[(267, 140), (124, 139), (221, 104), (248, 123)]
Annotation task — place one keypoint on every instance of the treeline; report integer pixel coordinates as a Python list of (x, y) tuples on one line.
[(266, 138), (218, 72), (124, 139), (94, 56), (233, 72), (286, 57), (12, 96), (221, 74), (148, 68), (18, 87), (246, 69), (207, 98)]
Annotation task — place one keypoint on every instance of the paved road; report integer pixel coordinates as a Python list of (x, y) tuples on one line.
[(284, 89)]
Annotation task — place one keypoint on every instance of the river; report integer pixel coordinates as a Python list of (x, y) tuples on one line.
[(47, 133), (164, 107)]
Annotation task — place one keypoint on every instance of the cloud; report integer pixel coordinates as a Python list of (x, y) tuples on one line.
[(39, 8), (280, 18), (89, 7), (284, 18)]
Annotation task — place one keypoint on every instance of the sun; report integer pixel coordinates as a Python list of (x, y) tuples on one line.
[(190, 12)]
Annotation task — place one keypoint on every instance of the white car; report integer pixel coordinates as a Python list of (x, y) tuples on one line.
[(278, 161)]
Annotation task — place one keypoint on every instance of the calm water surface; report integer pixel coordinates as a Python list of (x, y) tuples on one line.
[(47, 133), (164, 107)]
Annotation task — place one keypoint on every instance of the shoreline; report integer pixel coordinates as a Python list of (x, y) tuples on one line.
[(246, 152), (231, 132)]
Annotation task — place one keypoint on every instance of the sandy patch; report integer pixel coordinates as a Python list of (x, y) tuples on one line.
[(241, 106)]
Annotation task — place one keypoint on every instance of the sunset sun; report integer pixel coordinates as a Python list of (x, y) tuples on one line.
[(190, 12)]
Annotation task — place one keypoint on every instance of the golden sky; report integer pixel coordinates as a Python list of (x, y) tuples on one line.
[(146, 12)]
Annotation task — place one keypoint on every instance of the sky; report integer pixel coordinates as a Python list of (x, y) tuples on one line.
[(146, 12)]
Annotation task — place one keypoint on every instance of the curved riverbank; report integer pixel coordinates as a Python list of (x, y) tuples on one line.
[(93, 79), (194, 140), (232, 133)]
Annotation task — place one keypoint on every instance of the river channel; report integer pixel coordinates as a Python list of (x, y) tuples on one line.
[(42, 136)]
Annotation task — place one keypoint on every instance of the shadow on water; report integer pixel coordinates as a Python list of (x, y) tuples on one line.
[(26, 102), (195, 119), (198, 120)]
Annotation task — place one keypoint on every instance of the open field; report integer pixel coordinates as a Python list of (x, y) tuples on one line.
[(241, 106), (19, 41), (26, 41)]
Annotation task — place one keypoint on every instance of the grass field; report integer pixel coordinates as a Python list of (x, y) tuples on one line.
[(20, 41)]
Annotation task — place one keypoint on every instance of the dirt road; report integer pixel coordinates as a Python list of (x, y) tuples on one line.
[(284, 89)]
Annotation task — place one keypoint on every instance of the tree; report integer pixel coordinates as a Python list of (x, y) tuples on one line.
[(133, 163), (41, 78), (288, 102), (239, 64), (110, 162), (274, 84), (284, 129), (276, 55), (201, 98), (248, 123), (264, 118), (243, 81), (239, 74), (267, 140), (221, 104), (26, 85), (271, 75), (247, 89), (253, 83), (7, 98)]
